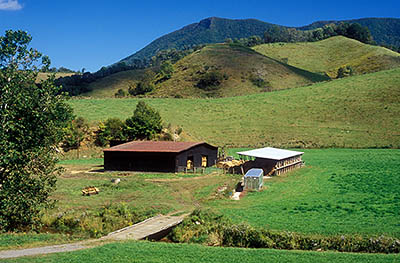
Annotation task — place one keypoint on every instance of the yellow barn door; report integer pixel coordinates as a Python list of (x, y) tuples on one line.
[(204, 161)]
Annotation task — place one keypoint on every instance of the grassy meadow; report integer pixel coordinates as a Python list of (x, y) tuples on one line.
[(326, 56), (356, 112), (166, 252), (340, 191)]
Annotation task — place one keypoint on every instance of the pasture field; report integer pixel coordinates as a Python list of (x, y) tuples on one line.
[(327, 55), (355, 112), (340, 191), (144, 251)]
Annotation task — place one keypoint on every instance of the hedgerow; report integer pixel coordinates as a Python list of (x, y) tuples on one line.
[(206, 227)]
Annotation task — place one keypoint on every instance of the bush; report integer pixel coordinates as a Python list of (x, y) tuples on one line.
[(75, 134), (141, 88), (210, 81), (120, 93), (345, 71), (260, 82)]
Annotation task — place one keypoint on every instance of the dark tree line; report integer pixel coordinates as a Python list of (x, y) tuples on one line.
[(289, 35)]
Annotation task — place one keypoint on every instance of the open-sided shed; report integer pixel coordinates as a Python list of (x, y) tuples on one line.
[(272, 160), (159, 156)]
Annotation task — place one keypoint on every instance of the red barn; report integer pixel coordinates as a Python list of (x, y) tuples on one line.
[(159, 156)]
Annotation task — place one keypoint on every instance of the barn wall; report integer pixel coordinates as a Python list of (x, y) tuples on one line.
[(133, 161), (197, 152)]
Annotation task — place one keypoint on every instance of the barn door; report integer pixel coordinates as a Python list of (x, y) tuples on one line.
[(189, 163), (204, 161)]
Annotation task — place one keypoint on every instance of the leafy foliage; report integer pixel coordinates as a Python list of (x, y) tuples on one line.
[(142, 87), (120, 93), (166, 70), (32, 119), (345, 71), (111, 129), (385, 31), (144, 124), (75, 133)]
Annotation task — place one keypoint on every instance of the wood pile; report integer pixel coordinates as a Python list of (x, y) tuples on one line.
[(90, 190)]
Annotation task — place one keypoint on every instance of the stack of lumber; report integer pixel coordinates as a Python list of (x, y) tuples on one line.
[(90, 190)]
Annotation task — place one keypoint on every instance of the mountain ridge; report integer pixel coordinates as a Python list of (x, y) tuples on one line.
[(215, 30)]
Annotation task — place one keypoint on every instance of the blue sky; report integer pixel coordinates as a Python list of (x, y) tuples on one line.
[(90, 34)]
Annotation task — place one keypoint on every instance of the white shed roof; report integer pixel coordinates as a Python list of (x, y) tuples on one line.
[(270, 153)]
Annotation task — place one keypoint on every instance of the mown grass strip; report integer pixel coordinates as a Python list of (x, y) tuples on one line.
[(163, 252)]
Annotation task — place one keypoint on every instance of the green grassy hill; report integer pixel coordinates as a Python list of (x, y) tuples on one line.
[(360, 111), (240, 66), (330, 54), (108, 86)]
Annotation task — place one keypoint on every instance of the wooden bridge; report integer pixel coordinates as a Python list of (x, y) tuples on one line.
[(153, 228)]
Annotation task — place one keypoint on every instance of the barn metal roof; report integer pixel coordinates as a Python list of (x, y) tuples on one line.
[(271, 153), (254, 172), (154, 146)]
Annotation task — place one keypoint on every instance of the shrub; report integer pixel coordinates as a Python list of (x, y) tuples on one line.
[(120, 93), (210, 81), (141, 88), (75, 133), (345, 71), (259, 82)]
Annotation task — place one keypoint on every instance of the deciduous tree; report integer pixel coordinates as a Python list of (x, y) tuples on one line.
[(32, 119)]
